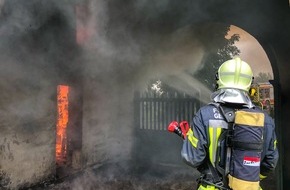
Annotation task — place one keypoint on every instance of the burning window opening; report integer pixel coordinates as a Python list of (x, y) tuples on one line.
[(62, 123)]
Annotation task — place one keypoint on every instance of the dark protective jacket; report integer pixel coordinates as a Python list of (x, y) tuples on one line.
[(201, 143)]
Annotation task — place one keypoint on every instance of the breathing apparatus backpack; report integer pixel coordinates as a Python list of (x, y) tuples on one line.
[(240, 147)]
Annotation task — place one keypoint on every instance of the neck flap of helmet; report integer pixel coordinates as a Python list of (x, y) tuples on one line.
[(232, 96)]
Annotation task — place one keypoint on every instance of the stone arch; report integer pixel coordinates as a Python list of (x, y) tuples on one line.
[(275, 81)]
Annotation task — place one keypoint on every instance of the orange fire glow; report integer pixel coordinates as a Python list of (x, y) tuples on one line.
[(62, 121)]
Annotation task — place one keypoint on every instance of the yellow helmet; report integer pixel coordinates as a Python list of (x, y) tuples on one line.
[(235, 73)]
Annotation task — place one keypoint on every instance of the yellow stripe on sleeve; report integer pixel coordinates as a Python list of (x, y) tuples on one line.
[(192, 139)]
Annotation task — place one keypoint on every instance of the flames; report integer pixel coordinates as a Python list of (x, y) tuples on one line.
[(62, 121), (83, 33)]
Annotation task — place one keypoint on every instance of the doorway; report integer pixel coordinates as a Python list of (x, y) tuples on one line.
[(68, 131)]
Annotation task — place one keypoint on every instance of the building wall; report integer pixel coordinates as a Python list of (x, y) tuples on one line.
[(28, 117), (27, 136), (35, 42)]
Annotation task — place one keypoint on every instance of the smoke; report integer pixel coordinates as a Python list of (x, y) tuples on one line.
[(31, 51), (121, 47), (124, 52), (95, 179), (126, 45)]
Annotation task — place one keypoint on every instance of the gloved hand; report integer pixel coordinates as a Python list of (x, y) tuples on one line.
[(173, 127), (184, 126)]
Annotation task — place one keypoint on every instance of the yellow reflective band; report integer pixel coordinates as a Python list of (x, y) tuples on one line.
[(201, 187), (239, 184), (250, 118), (214, 134), (262, 176), (193, 140), (275, 144), (208, 187)]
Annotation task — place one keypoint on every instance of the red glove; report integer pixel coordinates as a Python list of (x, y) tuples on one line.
[(174, 128), (184, 126)]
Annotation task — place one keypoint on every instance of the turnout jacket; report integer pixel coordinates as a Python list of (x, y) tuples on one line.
[(200, 145)]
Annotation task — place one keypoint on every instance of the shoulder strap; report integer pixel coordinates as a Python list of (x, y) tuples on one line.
[(229, 115)]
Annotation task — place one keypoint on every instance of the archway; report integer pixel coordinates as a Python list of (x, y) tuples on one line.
[(253, 53)]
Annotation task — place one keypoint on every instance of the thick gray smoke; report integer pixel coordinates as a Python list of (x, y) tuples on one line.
[(129, 44), (124, 52), (24, 67)]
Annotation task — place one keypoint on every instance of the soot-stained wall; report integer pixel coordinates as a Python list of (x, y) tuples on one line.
[(35, 39)]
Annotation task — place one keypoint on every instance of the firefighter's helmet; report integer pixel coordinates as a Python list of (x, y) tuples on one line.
[(235, 73)]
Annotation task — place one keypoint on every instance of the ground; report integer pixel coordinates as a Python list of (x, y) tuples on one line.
[(98, 179), (124, 185)]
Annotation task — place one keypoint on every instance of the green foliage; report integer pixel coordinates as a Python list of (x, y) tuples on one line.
[(219, 50)]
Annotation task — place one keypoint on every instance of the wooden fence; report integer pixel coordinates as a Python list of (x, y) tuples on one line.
[(152, 114), (155, 112)]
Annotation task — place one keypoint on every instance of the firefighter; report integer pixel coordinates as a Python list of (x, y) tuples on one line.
[(230, 155)]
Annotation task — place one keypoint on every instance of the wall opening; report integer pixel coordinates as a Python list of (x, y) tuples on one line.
[(68, 130), (62, 123), (265, 95)]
